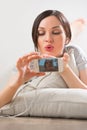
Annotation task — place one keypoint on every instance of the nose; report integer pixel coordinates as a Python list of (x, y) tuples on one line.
[(48, 38)]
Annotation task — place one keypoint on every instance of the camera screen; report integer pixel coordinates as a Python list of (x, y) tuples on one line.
[(48, 64)]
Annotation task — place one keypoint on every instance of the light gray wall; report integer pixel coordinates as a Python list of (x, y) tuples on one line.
[(16, 18)]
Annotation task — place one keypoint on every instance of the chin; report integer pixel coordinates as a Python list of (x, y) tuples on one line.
[(50, 53)]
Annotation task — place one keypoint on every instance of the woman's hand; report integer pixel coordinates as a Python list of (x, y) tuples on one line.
[(66, 59), (24, 72)]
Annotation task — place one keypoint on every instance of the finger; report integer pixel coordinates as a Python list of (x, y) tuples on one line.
[(66, 57), (32, 57), (30, 54), (18, 65)]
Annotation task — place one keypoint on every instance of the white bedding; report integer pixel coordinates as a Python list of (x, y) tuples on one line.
[(66, 103)]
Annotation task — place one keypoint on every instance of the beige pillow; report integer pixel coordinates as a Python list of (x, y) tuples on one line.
[(65, 103)]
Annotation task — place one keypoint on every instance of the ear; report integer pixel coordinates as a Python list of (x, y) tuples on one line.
[(66, 41)]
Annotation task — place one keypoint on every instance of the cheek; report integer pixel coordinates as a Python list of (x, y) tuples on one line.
[(40, 45), (60, 42), (62, 39)]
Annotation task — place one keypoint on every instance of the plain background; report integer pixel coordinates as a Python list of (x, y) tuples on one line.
[(16, 19)]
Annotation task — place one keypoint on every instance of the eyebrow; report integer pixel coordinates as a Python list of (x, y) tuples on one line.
[(52, 27), (56, 27)]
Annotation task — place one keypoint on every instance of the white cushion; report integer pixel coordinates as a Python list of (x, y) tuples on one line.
[(66, 103)]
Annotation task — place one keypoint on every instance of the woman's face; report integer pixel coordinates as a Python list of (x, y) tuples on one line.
[(51, 37)]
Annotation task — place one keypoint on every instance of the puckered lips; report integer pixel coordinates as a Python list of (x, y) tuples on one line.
[(49, 48)]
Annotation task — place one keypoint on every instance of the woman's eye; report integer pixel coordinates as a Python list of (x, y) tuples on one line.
[(56, 32), (40, 33)]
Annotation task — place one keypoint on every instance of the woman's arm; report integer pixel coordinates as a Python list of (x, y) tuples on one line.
[(24, 74), (71, 79), (9, 91)]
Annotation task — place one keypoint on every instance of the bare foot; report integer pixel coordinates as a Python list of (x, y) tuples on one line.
[(77, 27)]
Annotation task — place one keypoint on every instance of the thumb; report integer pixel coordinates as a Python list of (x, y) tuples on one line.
[(66, 57)]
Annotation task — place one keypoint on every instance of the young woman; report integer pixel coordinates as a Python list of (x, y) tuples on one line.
[(51, 35)]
